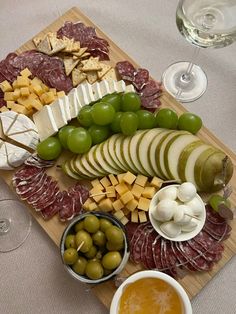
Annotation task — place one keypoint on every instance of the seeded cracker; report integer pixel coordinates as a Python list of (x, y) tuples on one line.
[(110, 75), (92, 76), (70, 64), (104, 69), (77, 77), (91, 65)]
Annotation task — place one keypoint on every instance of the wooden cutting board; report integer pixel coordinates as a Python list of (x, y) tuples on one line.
[(192, 283)]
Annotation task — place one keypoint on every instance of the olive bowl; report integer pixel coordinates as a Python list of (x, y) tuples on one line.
[(125, 255)]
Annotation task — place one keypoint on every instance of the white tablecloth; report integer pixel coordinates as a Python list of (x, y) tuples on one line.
[(32, 277)]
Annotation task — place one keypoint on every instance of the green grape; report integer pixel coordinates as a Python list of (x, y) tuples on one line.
[(130, 102), (216, 200), (49, 149), (99, 133), (63, 134), (190, 122), (79, 141), (146, 119), (129, 123), (85, 117), (114, 100), (115, 125), (102, 113), (167, 118)]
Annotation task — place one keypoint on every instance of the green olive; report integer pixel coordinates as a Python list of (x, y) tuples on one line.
[(91, 224), (114, 247), (70, 241), (111, 260), (85, 238), (70, 256), (104, 224), (99, 238), (80, 265), (99, 254), (94, 270), (114, 235), (79, 226), (92, 252)]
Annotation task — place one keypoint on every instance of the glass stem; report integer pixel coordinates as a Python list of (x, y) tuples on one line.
[(186, 77)]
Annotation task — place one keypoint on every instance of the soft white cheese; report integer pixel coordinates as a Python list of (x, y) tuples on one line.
[(3, 157), (104, 87), (45, 122), (96, 91), (59, 113), (82, 95), (89, 92), (73, 103), (15, 155), (64, 101), (129, 88), (121, 86)]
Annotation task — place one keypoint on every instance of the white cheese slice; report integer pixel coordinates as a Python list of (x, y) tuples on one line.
[(15, 155), (59, 114), (121, 86), (104, 87), (64, 101), (112, 86), (73, 103), (7, 119), (129, 88), (89, 92), (3, 157), (45, 122), (82, 95), (96, 91)]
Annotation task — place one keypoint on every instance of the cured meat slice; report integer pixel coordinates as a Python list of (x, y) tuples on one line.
[(150, 102), (42, 193), (66, 211), (130, 229), (80, 194), (137, 247), (150, 88), (48, 196), (26, 173), (156, 252), (196, 260), (137, 233), (36, 161), (147, 230), (2, 101), (49, 211), (126, 70), (171, 260), (210, 256), (26, 190), (219, 232), (165, 264), (207, 242), (182, 260), (149, 260), (213, 216), (141, 78)]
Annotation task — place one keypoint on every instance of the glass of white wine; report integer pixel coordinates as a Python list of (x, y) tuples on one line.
[(205, 24)]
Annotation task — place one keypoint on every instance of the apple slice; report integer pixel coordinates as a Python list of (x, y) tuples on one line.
[(79, 168), (126, 155), (143, 147), (173, 151), (108, 158), (92, 162), (91, 170), (66, 168), (154, 162), (111, 150), (212, 173), (121, 154), (134, 141), (101, 161)]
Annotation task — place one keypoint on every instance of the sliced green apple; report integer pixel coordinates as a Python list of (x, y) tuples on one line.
[(91, 170), (111, 149), (101, 161), (108, 158), (66, 168), (92, 161)]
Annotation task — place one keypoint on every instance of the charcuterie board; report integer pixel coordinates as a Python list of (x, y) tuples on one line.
[(54, 228)]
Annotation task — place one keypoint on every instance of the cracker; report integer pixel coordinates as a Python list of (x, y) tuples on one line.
[(77, 77), (104, 69), (91, 65), (110, 75), (80, 52), (45, 46), (69, 65), (37, 40), (92, 76)]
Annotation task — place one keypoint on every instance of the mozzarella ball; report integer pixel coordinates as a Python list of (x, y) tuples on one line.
[(191, 226), (170, 229), (179, 214), (196, 205), (186, 192), (168, 193), (185, 218), (164, 210)]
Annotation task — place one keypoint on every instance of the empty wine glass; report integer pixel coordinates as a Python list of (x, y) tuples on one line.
[(205, 24)]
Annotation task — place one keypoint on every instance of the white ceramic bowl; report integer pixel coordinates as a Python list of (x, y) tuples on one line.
[(187, 308), (184, 236)]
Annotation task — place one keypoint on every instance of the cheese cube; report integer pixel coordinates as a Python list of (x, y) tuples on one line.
[(10, 103), (6, 86), (126, 211), (119, 214), (86, 203), (16, 93), (111, 192), (45, 88), (14, 84), (134, 216), (149, 192), (142, 217), (120, 177), (36, 104), (61, 94), (53, 90), (106, 205), (92, 206), (26, 72), (121, 188), (96, 184), (22, 81), (24, 91), (48, 97), (19, 109), (36, 81), (141, 180), (8, 96), (144, 203), (137, 190), (156, 182), (131, 205), (126, 197), (124, 220), (97, 194), (129, 177), (37, 88), (117, 205), (105, 182), (22, 100), (27, 103), (3, 109), (113, 179)]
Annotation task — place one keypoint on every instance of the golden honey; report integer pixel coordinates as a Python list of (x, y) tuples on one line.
[(150, 296)]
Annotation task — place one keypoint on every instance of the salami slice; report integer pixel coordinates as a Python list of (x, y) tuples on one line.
[(150, 102), (219, 232), (137, 246), (42, 193), (80, 194), (48, 196), (36, 161), (141, 78), (49, 211), (213, 216), (156, 252), (165, 264), (130, 229), (26, 190), (35, 178), (182, 260), (150, 88), (149, 260), (126, 70), (66, 211), (26, 173), (210, 256), (170, 259), (147, 230)]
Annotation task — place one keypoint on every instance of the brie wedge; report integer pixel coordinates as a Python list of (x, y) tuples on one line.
[(45, 122), (73, 103), (59, 113)]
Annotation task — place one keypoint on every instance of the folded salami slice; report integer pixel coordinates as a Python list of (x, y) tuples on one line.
[(213, 216), (36, 161), (80, 194), (166, 266), (35, 178), (151, 88), (43, 192), (137, 246)]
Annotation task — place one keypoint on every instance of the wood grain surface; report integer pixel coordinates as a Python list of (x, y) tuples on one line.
[(192, 283)]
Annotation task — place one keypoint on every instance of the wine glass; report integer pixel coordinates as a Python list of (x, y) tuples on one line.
[(205, 24), (15, 222)]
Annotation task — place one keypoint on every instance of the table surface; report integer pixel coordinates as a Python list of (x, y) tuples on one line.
[(32, 277)]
